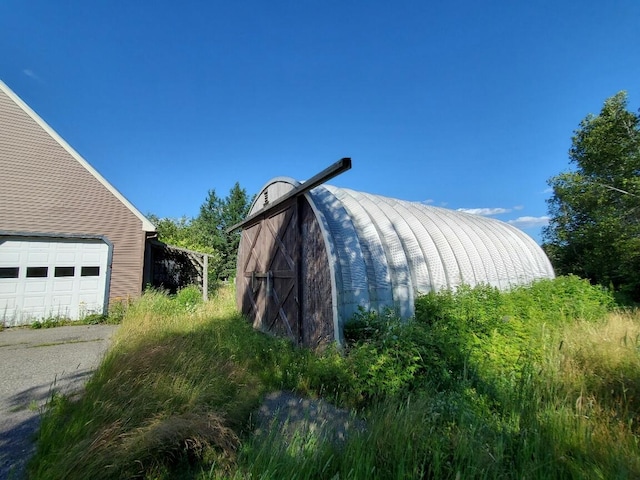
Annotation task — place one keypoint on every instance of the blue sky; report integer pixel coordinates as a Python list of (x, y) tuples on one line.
[(462, 104)]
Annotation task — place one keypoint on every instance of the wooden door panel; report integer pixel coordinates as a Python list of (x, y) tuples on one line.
[(250, 260), (270, 274)]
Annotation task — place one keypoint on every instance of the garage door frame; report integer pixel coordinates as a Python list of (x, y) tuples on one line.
[(52, 237)]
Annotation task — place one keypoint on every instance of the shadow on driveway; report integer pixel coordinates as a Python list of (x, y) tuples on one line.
[(34, 364)]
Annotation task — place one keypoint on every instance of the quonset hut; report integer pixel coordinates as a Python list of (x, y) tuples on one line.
[(309, 257)]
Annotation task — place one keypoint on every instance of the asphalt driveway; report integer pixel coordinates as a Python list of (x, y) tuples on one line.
[(33, 364)]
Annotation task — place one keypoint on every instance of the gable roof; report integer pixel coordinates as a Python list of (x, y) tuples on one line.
[(146, 224)]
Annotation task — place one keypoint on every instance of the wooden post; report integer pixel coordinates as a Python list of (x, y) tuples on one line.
[(205, 277)]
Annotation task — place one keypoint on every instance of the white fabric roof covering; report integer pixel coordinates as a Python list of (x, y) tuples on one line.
[(383, 252)]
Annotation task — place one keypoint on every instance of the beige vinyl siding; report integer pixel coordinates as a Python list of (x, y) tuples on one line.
[(44, 189)]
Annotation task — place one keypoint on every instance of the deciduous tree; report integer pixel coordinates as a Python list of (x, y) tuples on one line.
[(595, 208)]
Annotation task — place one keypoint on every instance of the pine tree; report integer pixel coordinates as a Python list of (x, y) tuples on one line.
[(216, 216)]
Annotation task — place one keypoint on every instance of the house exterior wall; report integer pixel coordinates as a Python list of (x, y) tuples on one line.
[(45, 190)]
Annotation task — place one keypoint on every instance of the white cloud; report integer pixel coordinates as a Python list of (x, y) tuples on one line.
[(431, 201), (485, 211), (530, 222), (31, 74)]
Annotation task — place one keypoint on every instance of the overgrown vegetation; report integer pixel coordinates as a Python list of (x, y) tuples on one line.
[(539, 382), (113, 317)]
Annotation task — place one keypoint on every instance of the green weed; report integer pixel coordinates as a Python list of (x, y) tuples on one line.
[(50, 322)]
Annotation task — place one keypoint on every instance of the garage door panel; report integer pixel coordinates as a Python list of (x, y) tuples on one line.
[(38, 258), (91, 255), (52, 278), (7, 303), (65, 258), (10, 259), (61, 312), (31, 315), (62, 299), (35, 287), (63, 286), (89, 300), (8, 288), (89, 284), (34, 302)]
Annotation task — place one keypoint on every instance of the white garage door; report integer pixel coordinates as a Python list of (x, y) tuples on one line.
[(44, 278)]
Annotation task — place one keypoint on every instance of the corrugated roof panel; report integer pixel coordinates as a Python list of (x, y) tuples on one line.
[(410, 248), (492, 254), (400, 276), (378, 275), (414, 256), (539, 264), (428, 255), (441, 236), (467, 255)]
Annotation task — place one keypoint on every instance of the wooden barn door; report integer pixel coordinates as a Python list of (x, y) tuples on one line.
[(270, 261)]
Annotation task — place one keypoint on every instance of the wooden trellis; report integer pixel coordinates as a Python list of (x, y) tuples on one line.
[(175, 267)]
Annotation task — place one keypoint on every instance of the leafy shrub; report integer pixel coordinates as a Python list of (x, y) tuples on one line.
[(118, 308), (389, 357), (189, 297), (561, 300)]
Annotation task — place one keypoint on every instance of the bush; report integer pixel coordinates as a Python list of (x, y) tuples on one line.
[(189, 297), (389, 357)]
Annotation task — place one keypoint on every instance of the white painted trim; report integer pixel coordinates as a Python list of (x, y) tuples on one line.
[(147, 226)]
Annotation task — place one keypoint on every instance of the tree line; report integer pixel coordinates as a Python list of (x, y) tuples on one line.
[(207, 233), (594, 228)]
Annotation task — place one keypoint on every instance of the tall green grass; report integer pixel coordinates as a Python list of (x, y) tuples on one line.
[(173, 387), (539, 382)]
